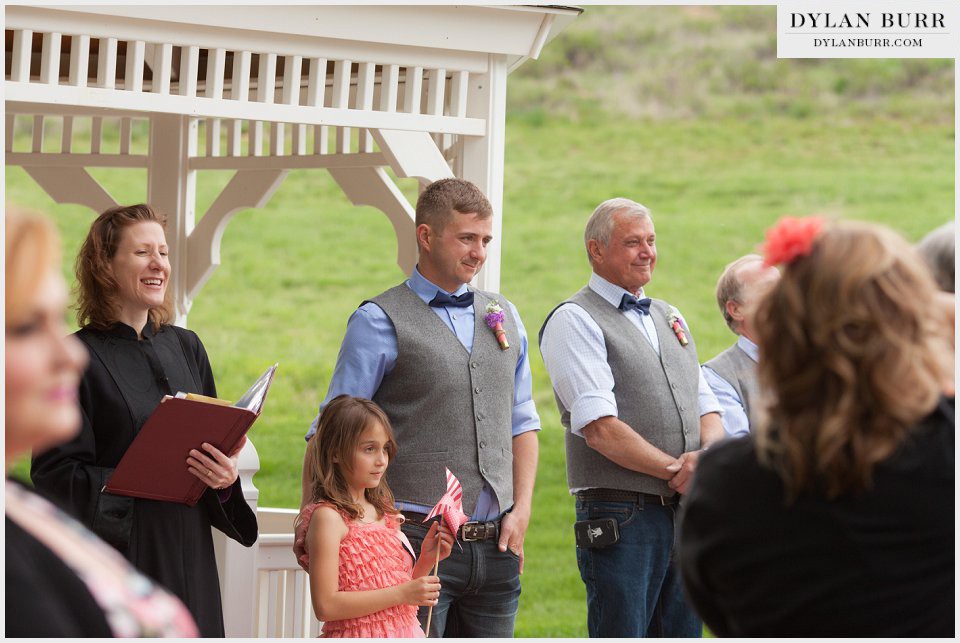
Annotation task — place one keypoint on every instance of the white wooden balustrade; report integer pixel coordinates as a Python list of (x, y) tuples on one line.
[(120, 65), (262, 90), (265, 592), (283, 605)]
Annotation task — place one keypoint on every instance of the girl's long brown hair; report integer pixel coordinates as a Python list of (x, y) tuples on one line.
[(854, 350), (333, 446)]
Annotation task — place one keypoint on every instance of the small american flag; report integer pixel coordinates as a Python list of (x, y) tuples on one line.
[(450, 505)]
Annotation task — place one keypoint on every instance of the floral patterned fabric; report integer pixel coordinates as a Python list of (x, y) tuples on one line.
[(132, 604)]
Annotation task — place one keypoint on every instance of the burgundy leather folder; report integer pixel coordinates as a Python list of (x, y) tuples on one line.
[(155, 464)]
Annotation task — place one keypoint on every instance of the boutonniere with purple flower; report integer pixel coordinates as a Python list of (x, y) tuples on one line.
[(494, 319), (674, 319)]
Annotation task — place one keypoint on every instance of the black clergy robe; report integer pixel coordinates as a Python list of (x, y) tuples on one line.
[(170, 542)]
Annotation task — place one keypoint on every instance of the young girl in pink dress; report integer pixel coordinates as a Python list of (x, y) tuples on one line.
[(363, 579)]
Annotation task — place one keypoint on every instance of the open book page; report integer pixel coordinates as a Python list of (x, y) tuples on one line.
[(200, 398), (252, 400)]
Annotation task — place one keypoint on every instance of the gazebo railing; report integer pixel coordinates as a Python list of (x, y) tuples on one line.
[(100, 64), (265, 593), (283, 606), (124, 141)]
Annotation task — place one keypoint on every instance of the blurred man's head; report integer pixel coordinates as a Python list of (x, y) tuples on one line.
[(938, 249), (739, 288)]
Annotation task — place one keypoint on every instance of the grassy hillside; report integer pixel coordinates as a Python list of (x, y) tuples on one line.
[(715, 62), (648, 103)]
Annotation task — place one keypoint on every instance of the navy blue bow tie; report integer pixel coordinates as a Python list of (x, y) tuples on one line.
[(629, 302), (457, 301)]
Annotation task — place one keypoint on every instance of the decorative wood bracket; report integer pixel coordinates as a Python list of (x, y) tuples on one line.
[(247, 189), (72, 185), (412, 155), (372, 186)]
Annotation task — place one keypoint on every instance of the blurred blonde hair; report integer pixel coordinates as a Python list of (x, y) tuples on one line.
[(853, 351), (332, 448), (32, 246)]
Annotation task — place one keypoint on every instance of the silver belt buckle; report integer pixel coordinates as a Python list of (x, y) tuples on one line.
[(469, 531)]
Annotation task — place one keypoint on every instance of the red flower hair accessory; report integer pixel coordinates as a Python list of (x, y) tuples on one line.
[(789, 238)]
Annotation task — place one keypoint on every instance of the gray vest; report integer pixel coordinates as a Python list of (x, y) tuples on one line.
[(740, 371), (448, 407), (656, 396)]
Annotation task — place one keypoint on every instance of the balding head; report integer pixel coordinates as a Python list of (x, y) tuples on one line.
[(742, 283)]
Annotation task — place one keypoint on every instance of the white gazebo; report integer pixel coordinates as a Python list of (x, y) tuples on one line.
[(262, 90)]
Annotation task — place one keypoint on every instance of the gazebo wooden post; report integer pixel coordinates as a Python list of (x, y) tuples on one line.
[(236, 564), (171, 188), (482, 157)]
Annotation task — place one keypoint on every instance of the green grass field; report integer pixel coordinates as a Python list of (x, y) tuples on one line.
[(714, 178)]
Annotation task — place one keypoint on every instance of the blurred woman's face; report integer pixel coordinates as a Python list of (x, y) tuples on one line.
[(43, 368), (141, 269)]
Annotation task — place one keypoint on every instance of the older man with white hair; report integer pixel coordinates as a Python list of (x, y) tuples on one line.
[(732, 374), (637, 413)]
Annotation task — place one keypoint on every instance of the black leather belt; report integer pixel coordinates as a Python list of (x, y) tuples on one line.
[(469, 531), (619, 495)]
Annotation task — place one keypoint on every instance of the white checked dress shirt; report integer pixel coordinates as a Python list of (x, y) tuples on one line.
[(576, 358)]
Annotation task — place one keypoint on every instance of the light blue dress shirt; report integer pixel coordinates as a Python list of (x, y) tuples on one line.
[(735, 421), (369, 352), (576, 358)]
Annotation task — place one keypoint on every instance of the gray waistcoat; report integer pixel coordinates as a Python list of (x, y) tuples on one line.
[(449, 408), (740, 371), (656, 396)]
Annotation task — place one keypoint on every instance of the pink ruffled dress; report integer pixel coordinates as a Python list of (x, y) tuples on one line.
[(372, 556)]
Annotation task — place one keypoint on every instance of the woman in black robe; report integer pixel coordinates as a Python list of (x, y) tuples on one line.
[(136, 359)]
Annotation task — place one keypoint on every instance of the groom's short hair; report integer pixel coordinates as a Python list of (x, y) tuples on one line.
[(442, 198)]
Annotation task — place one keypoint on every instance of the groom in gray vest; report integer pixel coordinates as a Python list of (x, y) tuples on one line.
[(637, 414), (732, 374), (457, 398)]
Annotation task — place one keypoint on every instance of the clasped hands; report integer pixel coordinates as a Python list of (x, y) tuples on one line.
[(682, 469), (214, 468)]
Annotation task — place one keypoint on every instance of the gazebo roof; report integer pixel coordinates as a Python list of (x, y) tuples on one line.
[(262, 90), (520, 32), (156, 59)]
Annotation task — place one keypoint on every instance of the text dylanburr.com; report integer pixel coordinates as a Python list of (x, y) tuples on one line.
[(868, 29)]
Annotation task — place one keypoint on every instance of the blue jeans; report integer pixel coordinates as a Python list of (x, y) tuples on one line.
[(633, 586), (480, 589)]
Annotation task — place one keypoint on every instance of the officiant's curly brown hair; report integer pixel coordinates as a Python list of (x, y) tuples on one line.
[(97, 290)]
